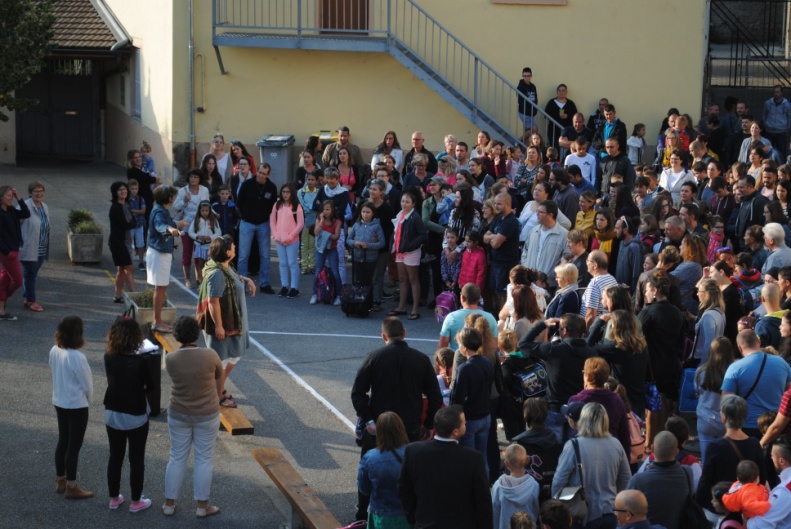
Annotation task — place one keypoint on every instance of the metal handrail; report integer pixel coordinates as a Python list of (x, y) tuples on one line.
[(409, 30)]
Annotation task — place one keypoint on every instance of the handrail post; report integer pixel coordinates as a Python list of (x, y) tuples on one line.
[(299, 22), (475, 89), (388, 19)]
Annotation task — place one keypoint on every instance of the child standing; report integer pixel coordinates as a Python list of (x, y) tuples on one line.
[(443, 366), (226, 212), (515, 491), (514, 162), (203, 230), (328, 230), (473, 262), (450, 270), (138, 206), (747, 495), (287, 220), (636, 144), (365, 239), (306, 197)]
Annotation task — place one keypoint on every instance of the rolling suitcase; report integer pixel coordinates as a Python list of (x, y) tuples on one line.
[(357, 300)]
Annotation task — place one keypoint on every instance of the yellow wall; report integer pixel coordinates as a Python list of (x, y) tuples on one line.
[(644, 56)]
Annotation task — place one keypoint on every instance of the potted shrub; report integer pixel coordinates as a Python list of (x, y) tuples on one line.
[(84, 237), (140, 306)]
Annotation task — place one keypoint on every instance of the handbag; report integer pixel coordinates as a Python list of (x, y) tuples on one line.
[(653, 399), (688, 395), (692, 515), (573, 497)]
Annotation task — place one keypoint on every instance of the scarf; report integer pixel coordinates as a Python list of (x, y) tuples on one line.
[(715, 241), (605, 240), (230, 312)]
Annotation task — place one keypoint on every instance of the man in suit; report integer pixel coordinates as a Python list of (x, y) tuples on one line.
[(442, 484), (394, 378)]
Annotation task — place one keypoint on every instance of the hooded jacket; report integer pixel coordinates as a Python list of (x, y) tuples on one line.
[(511, 494), (768, 328), (543, 452), (370, 233)]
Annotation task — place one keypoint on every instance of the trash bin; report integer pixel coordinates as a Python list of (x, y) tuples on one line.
[(276, 151), (326, 136)]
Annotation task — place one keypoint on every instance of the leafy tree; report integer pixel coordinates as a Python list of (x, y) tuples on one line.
[(25, 40)]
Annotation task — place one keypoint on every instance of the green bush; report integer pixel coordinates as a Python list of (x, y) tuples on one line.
[(77, 216), (86, 227), (144, 299)]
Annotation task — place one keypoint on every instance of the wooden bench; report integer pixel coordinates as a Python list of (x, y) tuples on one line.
[(305, 508), (232, 419)]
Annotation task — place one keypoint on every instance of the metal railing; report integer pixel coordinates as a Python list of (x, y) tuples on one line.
[(757, 44), (487, 97)]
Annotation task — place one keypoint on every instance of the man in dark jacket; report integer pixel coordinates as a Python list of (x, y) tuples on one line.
[(564, 362), (394, 378), (611, 128), (751, 208), (614, 162), (417, 147), (442, 484), (257, 197)]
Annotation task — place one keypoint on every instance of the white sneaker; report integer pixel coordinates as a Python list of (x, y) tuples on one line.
[(337, 301), (314, 299)]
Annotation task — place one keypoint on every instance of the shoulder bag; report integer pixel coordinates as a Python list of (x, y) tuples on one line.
[(573, 497), (692, 515)]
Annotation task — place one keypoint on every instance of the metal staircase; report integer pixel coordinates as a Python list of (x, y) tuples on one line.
[(401, 28)]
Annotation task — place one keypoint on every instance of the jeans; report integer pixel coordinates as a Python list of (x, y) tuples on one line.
[(704, 441), (29, 273), (477, 436), (72, 424), (262, 233), (341, 258), (526, 120), (287, 256), (10, 275), (183, 435), (308, 249), (137, 455), (329, 258)]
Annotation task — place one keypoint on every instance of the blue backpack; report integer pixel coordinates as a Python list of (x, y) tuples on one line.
[(325, 286)]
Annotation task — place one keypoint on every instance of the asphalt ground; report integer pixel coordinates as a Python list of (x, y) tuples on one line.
[(293, 385)]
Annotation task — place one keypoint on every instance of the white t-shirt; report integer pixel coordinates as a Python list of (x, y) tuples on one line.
[(587, 165)]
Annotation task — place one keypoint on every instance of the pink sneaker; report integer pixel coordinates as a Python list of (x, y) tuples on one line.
[(115, 503), (142, 505)]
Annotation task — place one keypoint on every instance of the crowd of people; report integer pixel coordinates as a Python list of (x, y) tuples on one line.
[(593, 280)]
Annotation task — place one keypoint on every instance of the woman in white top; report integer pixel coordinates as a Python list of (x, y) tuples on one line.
[(528, 219), (185, 208), (72, 390), (755, 135), (224, 163), (674, 176), (389, 146)]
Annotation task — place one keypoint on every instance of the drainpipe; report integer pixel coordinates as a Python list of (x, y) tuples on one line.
[(193, 159)]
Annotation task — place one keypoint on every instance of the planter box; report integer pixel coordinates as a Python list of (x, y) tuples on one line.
[(144, 316), (84, 247)]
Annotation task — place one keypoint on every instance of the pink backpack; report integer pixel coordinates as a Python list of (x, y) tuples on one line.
[(636, 438), (447, 302)]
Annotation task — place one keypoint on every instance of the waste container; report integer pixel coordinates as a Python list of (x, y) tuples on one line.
[(275, 149), (326, 136)]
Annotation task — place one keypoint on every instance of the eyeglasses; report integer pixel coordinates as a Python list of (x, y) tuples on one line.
[(420, 165)]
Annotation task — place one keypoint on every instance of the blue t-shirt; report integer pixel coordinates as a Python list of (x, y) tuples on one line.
[(454, 322), (741, 375)]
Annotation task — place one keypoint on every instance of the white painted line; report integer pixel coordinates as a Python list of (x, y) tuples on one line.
[(299, 380), (410, 339)]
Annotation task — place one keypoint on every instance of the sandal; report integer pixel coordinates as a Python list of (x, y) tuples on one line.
[(35, 307), (414, 316), (225, 402), (203, 512), (226, 394), (118, 300), (397, 313)]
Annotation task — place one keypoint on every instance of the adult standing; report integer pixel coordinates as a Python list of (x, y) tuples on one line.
[(454, 322), (600, 279), (528, 218), (605, 467), (560, 109), (546, 242), (443, 483), (389, 146), (777, 120), (779, 512), (630, 254), (10, 242), (759, 378), (666, 483), (710, 320), (614, 162), (193, 416), (121, 221), (675, 176), (211, 178), (224, 164), (35, 243), (436, 236), (126, 411), (162, 231), (690, 270), (567, 298), (663, 326), (394, 378), (779, 253), (222, 310), (503, 238), (330, 157), (721, 272), (147, 181), (610, 127), (377, 476), (383, 212), (570, 134), (410, 234), (751, 207), (708, 381), (185, 208), (419, 175), (565, 194), (72, 391), (256, 199), (725, 453)]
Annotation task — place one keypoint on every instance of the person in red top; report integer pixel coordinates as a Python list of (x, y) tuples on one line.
[(780, 424), (473, 261)]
